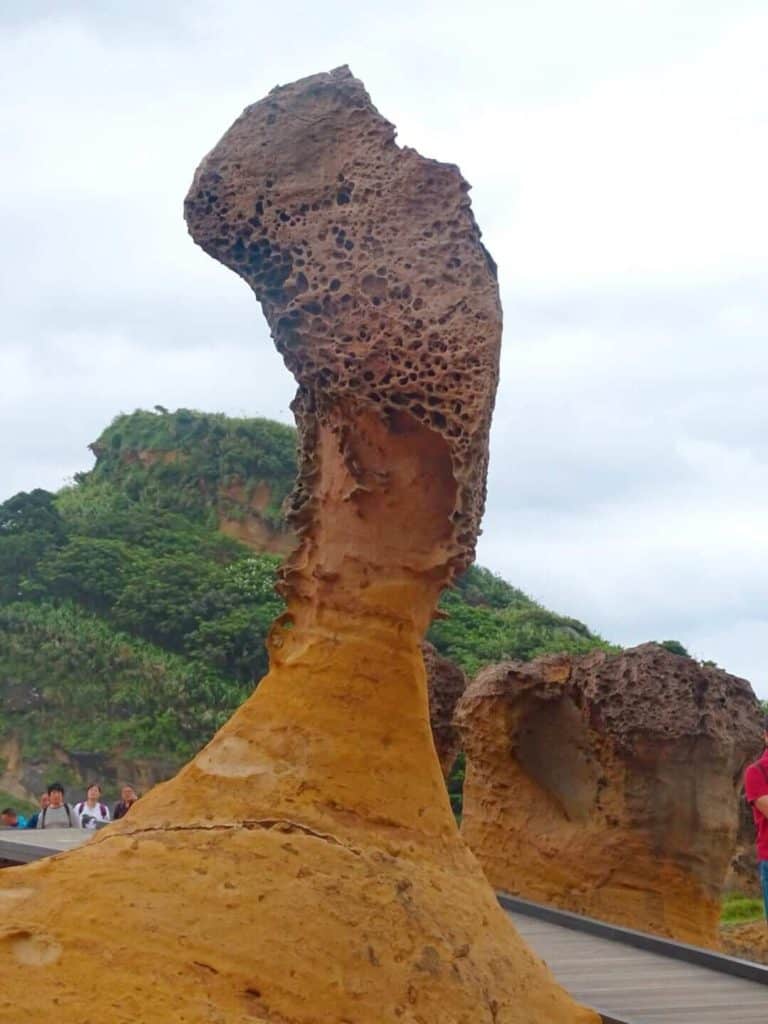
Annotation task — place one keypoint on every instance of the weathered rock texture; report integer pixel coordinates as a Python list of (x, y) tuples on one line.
[(241, 514), (305, 867), (608, 784), (747, 941), (445, 685)]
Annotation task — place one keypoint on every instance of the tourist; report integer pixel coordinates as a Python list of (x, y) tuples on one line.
[(92, 812), (128, 798), (58, 813), (756, 792), (11, 819), (32, 823)]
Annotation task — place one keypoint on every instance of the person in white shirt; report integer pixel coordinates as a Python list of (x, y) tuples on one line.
[(92, 811)]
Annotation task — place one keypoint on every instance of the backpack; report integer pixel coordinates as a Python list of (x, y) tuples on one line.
[(102, 807), (66, 808)]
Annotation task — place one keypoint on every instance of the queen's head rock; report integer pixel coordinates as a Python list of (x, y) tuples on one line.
[(383, 303), (608, 784), (305, 866)]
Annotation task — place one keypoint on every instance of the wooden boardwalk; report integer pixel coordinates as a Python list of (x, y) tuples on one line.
[(635, 986)]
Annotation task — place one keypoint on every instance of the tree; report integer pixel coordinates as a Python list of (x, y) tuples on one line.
[(165, 600), (91, 570), (233, 641), (30, 526), (675, 647), (31, 512)]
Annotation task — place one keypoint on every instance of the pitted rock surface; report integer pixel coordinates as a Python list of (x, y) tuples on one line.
[(609, 784), (305, 866), (370, 270), (445, 683)]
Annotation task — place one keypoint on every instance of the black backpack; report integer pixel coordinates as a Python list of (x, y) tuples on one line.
[(66, 808)]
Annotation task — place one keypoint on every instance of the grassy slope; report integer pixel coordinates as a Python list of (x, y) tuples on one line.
[(128, 621), (738, 909)]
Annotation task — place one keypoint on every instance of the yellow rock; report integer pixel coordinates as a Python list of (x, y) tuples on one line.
[(609, 784), (305, 868)]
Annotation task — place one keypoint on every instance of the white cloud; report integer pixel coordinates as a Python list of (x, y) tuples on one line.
[(618, 155)]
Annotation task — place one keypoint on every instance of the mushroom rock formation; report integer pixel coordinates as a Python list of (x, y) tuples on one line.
[(305, 866), (609, 784), (445, 685)]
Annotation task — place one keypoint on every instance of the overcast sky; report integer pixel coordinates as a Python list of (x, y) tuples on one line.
[(618, 153)]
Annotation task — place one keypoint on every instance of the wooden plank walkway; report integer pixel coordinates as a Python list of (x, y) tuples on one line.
[(639, 987)]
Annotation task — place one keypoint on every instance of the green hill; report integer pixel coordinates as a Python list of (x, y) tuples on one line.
[(134, 604)]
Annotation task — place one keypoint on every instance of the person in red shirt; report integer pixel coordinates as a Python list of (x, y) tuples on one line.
[(756, 792)]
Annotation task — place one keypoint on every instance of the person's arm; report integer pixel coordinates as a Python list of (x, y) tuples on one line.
[(756, 788)]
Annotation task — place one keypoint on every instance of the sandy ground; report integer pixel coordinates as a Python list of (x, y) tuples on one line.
[(749, 941)]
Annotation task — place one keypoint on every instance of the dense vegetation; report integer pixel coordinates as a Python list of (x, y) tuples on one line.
[(489, 620), (72, 680), (187, 461), (128, 621)]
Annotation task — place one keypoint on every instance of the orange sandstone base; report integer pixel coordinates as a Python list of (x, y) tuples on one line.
[(303, 868)]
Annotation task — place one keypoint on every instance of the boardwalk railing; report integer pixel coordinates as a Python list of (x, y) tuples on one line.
[(630, 977), (640, 940)]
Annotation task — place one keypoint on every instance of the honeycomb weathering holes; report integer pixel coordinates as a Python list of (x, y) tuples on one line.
[(359, 252)]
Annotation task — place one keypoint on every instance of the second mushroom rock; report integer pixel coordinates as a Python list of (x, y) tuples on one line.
[(609, 784)]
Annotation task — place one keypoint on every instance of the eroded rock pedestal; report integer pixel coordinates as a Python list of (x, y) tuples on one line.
[(305, 867), (445, 684), (609, 784)]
